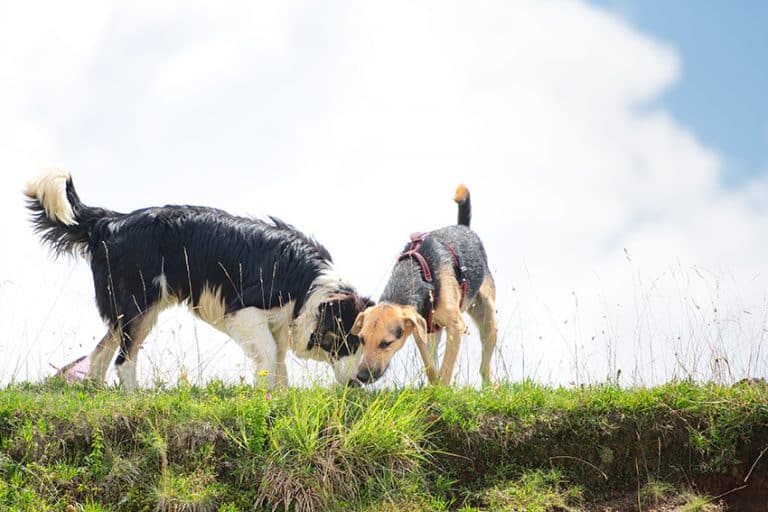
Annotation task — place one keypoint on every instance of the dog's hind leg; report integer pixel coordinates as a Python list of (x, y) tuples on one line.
[(249, 327), (102, 355), (133, 333), (483, 313)]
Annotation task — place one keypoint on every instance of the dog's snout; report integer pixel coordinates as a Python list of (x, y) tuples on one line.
[(364, 375), (368, 375)]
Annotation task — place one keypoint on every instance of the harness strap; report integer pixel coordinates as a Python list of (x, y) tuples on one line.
[(426, 272), (461, 274)]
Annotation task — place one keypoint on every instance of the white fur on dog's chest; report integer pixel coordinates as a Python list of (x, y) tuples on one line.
[(288, 334)]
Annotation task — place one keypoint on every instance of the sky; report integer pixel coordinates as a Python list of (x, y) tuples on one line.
[(721, 90), (615, 152)]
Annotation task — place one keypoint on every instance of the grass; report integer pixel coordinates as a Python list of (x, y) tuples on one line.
[(536, 491), (509, 447)]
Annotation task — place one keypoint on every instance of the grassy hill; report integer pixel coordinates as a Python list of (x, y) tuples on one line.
[(681, 446)]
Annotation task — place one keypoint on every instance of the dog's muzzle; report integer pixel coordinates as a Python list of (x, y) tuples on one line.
[(369, 375)]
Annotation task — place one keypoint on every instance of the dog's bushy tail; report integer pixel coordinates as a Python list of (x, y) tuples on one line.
[(58, 215), (465, 207)]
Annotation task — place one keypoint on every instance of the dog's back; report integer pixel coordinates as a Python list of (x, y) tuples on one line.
[(174, 253), (469, 251), (179, 251), (455, 246)]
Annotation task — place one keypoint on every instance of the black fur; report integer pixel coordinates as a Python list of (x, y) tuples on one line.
[(254, 263), (407, 285), (336, 318)]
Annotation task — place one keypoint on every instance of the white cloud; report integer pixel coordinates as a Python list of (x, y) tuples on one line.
[(356, 121)]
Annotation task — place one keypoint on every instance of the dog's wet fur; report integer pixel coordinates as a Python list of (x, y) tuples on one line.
[(265, 283), (404, 306)]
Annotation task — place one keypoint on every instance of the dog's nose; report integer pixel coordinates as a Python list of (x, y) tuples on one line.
[(368, 375), (363, 375)]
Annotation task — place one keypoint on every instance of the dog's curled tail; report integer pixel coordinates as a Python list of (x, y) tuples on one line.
[(465, 208), (57, 213)]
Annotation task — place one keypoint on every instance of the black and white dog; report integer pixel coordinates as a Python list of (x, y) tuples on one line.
[(266, 284)]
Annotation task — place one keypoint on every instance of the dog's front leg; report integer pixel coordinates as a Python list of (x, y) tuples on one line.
[(434, 344), (426, 357), (281, 371), (454, 332), (249, 327), (264, 355)]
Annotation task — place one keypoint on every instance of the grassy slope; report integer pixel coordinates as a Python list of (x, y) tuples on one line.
[(513, 447)]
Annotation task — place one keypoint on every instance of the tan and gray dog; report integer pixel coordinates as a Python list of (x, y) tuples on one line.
[(439, 275)]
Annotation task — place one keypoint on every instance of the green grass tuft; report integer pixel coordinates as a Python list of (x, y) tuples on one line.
[(536, 491)]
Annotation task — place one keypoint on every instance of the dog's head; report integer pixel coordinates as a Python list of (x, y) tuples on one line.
[(333, 333), (382, 330)]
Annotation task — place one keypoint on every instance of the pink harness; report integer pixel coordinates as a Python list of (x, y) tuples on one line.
[(426, 272)]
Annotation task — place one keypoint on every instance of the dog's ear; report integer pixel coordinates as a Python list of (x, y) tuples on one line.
[(358, 325), (364, 303), (415, 323)]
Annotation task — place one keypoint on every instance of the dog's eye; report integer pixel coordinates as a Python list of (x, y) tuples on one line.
[(384, 344), (399, 333)]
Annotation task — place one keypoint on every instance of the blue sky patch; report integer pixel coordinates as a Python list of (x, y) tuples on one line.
[(721, 94)]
